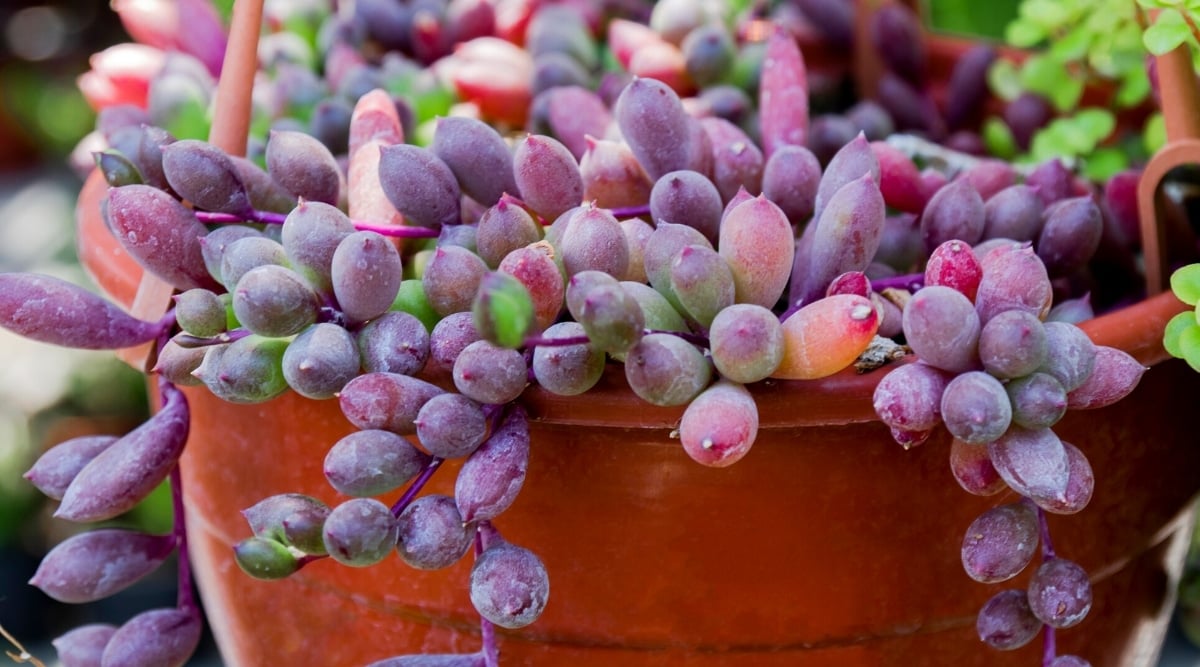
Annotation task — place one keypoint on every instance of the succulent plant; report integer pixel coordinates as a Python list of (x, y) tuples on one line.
[(685, 199)]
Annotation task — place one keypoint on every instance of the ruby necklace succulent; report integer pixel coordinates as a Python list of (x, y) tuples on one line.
[(425, 287)]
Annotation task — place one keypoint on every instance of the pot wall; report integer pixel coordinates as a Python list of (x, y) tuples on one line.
[(827, 544)]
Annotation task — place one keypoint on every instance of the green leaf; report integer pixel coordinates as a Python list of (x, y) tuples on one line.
[(1042, 74), (1024, 34), (1167, 33), (1154, 133), (999, 138), (1185, 283), (1135, 86), (1046, 14), (1005, 80), (1073, 45), (1174, 332), (1096, 122), (1068, 93), (1189, 347), (503, 310), (1104, 163)]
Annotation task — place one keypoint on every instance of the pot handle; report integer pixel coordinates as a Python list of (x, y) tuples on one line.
[(1180, 103), (229, 132)]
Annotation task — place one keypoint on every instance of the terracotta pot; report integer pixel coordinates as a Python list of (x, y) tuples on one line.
[(828, 544)]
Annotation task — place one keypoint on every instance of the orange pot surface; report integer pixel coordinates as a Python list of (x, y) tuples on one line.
[(827, 545)]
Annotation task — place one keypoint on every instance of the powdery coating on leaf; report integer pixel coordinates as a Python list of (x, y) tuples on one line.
[(374, 120), (1000, 542), (942, 328), (594, 241), (274, 301), (783, 94), (1033, 462), (535, 267), (575, 113), (304, 166), (320, 361), (451, 279), (720, 425), (366, 273), (1005, 621), (826, 336), (477, 155), (492, 476), (387, 401), (420, 185), (954, 265), (1013, 277), (161, 233), (910, 397), (757, 243), (372, 462), (1070, 354), (547, 176), (973, 470), (490, 374), (737, 161), (83, 646), (1060, 593), (567, 370), (612, 176), (360, 532), (689, 198), (1081, 482), (955, 212), (664, 369), (128, 470), (1070, 235), (205, 176), (364, 194), (975, 408), (433, 534), (846, 237), (746, 342), (451, 425), (291, 518), (509, 586), (703, 282), (660, 250), (1115, 374), (655, 125), (96, 564), (899, 180), (790, 179), (160, 637), (55, 469), (395, 342), (503, 228), (853, 160), (1013, 213)]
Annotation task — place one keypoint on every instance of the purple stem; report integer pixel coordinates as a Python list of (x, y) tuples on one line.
[(185, 601), (536, 341), (911, 282), (189, 341), (1049, 647), (419, 483), (630, 211), (272, 218), (1044, 531), (491, 651)]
